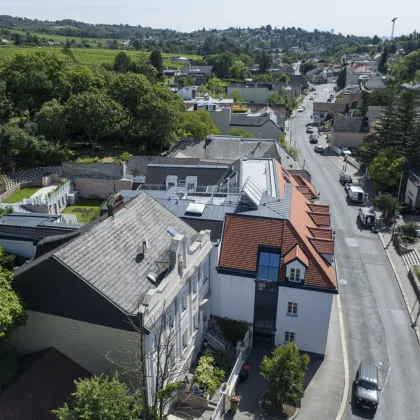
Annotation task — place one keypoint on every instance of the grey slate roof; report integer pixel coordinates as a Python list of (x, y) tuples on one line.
[(137, 165), (232, 148), (330, 107), (105, 256), (197, 69), (375, 112), (206, 174), (299, 79), (268, 86), (35, 226), (350, 125), (375, 83), (245, 121)]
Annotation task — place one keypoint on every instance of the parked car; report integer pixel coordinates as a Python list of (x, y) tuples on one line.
[(367, 388), (318, 149), (309, 129), (345, 151), (313, 139), (309, 124), (345, 179), (301, 109), (348, 185), (311, 98), (329, 100)]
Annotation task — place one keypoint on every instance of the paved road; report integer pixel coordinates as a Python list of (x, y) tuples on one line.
[(377, 326)]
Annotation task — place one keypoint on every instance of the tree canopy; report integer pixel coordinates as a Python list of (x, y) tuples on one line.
[(198, 124)]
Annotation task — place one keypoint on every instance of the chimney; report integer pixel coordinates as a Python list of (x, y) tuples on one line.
[(115, 202)]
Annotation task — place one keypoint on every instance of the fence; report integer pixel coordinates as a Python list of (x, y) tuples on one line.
[(220, 408)]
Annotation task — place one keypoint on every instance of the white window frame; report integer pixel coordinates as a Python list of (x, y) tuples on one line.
[(204, 270), (194, 284), (289, 336), (170, 318), (295, 275), (292, 308), (184, 307)]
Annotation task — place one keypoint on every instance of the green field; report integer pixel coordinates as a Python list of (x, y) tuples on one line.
[(86, 210), (20, 195), (92, 57)]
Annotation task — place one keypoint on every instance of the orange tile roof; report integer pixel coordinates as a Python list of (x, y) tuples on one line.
[(303, 182), (322, 233), (243, 235), (320, 219), (296, 253), (323, 246), (319, 208)]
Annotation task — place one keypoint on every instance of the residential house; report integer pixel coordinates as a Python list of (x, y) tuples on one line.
[(356, 73), (412, 190), (409, 86), (252, 92), (45, 383), (228, 149), (352, 99), (274, 251), (299, 80), (372, 64), (199, 74), (170, 72), (374, 114), (188, 93), (180, 59), (20, 233), (375, 83), (322, 109), (349, 131), (139, 268), (317, 75)]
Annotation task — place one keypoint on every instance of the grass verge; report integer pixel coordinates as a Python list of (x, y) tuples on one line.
[(85, 210), (20, 195)]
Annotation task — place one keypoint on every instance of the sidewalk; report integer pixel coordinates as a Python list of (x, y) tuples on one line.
[(402, 272)]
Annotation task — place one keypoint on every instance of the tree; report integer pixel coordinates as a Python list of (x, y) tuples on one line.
[(388, 205), (156, 60), (240, 133), (239, 70), (198, 124), (94, 115), (237, 98), (6, 260), (341, 80), (81, 79), (12, 313), (385, 171), (49, 121), (285, 373), (307, 66), (122, 63), (5, 103), (102, 398), (404, 70), (186, 81), (143, 66), (382, 67), (375, 40), (265, 62), (33, 79)]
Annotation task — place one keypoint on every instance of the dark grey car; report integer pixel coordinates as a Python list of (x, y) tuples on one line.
[(367, 389)]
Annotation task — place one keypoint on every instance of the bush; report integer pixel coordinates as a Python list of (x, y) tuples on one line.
[(233, 330), (208, 375), (409, 230)]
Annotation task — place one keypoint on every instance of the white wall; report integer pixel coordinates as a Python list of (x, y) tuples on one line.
[(411, 192), (312, 322), (86, 344), (24, 248), (232, 296)]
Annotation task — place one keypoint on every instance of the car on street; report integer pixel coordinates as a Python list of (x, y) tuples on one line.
[(309, 124), (313, 139), (345, 179), (366, 386), (309, 129), (311, 98), (345, 151), (318, 149), (301, 109)]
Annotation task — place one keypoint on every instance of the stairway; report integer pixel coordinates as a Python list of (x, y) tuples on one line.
[(411, 258)]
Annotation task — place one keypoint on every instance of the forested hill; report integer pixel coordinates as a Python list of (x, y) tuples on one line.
[(266, 37)]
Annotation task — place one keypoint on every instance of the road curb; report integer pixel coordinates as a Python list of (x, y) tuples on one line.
[(401, 287), (343, 404)]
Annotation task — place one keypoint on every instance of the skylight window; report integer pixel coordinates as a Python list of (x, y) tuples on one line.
[(268, 266), (195, 209)]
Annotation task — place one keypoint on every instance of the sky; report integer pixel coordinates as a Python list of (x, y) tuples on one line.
[(359, 17)]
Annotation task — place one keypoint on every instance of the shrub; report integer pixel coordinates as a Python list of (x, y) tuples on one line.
[(208, 374), (233, 330)]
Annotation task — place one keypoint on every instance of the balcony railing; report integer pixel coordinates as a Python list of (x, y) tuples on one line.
[(45, 201)]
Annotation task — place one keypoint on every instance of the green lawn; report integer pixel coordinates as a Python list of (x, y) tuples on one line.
[(20, 195), (92, 57), (86, 210)]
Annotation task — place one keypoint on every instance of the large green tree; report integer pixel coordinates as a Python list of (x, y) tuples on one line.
[(50, 121), (265, 62), (12, 313), (122, 63), (5, 104), (342, 77), (239, 70), (102, 398), (81, 79), (96, 116), (388, 204), (156, 60), (33, 79), (284, 372), (198, 124), (385, 171)]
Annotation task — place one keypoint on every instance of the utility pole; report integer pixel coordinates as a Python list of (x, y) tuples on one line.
[(393, 26)]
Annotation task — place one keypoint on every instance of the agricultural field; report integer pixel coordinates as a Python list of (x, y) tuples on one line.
[(92, 57)]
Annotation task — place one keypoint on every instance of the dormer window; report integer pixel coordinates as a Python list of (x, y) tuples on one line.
[(295, 275), (268, 266)]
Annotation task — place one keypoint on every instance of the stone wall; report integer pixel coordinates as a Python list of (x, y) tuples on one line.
[(109, 170), (96, 188), (29, 184)]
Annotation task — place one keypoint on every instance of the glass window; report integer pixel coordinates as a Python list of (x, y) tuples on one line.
[(289, 336), (170, 319), (194, 285), (268, 266), (184, 302), (292, 308), (294, 274)]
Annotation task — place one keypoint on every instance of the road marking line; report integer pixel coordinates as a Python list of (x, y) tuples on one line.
[(343, 404)]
